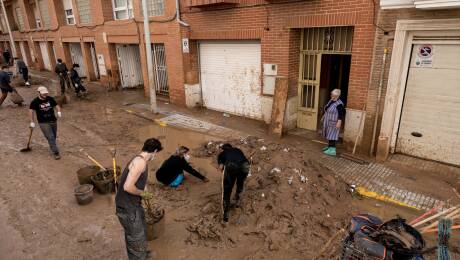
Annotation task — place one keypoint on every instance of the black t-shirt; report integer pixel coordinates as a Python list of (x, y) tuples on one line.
[(44, 108)]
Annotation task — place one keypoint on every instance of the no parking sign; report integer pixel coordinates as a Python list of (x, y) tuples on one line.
[(424, 58)]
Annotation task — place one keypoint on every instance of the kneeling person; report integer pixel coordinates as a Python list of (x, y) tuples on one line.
[(171, 172)]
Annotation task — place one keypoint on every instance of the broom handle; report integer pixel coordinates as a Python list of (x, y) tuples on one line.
[(435, 216)]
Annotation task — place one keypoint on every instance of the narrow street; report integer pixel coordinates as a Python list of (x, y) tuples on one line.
[(278, 220)]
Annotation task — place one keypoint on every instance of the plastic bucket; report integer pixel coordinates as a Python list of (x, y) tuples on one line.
[(84, 194), (84, 174), (156, 225), (103, 185)]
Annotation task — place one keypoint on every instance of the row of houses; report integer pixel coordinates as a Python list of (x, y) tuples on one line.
[(397, 62)]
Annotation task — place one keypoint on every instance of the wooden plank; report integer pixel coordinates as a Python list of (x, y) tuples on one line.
[(279, 106)]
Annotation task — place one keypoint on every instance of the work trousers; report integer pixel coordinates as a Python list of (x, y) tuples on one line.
[(25, 74), (233, 173), (50, 132), (133, 222), (63, 81)]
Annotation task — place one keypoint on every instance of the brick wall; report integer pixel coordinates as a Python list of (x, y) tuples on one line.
[(276, 25), (384, 39)]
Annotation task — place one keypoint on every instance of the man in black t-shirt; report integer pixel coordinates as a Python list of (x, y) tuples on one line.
[(236, 169), (43, 106)]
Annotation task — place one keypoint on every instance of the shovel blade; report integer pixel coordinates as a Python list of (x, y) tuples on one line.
[(25, 150)]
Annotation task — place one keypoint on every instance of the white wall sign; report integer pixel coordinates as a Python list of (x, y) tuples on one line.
[(424, 58), (185, 45), (101, 64)]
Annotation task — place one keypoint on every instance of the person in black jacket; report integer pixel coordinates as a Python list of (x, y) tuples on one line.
[(236, 169), (61, 70), (171, 172), (76, 80)]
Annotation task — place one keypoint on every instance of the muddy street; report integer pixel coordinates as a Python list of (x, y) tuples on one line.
[(292, 204)]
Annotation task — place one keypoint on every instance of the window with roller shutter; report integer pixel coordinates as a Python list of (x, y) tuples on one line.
[(155, 7), (20, 18), (84, 11), (68, 12), (44, 11)]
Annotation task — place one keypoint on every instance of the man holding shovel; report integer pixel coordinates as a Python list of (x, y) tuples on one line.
[(236, 169), (129, 197), (43, 106)]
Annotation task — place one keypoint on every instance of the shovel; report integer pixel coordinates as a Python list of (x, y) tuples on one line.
[(28, 149), (114, 162)]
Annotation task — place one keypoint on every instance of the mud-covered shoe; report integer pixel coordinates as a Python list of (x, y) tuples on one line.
[(331, 151), (57, 156)]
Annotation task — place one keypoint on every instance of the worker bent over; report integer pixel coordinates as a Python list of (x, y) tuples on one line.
[(129, 197), (236, 169)]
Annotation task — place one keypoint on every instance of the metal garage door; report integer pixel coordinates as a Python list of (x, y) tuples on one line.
[(230, 77), (45, 55), (77, 57), (430, 120), (129, 62), (24, 53)]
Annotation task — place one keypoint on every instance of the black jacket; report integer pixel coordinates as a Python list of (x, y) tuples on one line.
[(61, 68), (172, 167), (75, 77), (232, 155)]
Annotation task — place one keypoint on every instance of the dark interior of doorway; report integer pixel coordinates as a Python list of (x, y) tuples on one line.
[(335, 73)]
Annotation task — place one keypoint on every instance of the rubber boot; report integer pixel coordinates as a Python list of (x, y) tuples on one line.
[(331, 151)]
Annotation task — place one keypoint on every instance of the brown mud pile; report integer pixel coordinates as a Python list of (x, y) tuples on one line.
[(291, 204)]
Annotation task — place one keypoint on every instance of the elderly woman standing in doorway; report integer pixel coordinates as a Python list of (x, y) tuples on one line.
[(334, 114)]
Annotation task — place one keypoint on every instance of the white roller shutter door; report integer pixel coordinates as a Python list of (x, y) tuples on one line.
[(77, 57), (45, 55), (230, 77), (129, 62), (430, 119)]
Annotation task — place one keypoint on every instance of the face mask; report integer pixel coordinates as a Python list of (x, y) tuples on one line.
[(152, 157), (187, 157)]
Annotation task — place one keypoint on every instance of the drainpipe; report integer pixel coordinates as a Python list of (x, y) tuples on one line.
[(13, 47), (379, 95), (178, 15)]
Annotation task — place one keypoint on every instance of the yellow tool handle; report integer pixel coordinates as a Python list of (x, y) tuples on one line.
[(97, 164)]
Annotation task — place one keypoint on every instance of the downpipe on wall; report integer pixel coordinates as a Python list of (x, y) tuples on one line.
[(379, 96), (178, 15)]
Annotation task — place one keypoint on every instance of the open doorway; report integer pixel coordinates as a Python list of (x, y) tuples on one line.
[(335, 73)]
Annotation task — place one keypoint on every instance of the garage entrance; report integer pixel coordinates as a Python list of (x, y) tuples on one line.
[(45, 55), (230, 77), (325, 60), (129, 63), (430, 123), (77, 57)]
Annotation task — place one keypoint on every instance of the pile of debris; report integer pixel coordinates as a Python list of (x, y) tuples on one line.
[(290, 203)]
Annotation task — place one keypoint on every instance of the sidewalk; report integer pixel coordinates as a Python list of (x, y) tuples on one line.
[(407, 180)]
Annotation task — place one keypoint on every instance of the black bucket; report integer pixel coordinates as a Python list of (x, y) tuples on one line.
[(84, 174), (103, 181), (84, 194)]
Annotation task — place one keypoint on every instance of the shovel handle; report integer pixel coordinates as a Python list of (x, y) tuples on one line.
[(30, 137), (95, 162)]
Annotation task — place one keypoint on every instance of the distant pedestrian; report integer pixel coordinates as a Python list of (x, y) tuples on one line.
[(7, 57), (334, 114), (131, 191), (62, 72), (76, 80), (171, 172), (43, 106), (23, 70), (236, 169), (5, 81)]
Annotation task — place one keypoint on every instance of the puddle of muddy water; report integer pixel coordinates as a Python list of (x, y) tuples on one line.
[(171, 138)]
